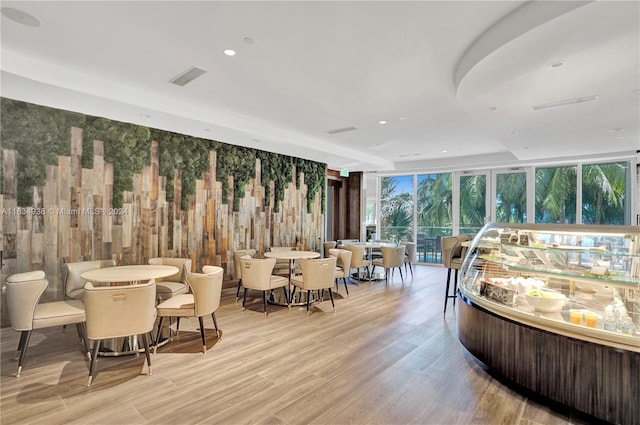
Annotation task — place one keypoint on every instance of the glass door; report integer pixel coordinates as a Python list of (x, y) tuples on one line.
[(472, 202), (509, 196)]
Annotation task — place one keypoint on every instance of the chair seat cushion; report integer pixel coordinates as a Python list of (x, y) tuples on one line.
[(279, 281), (58, 313), (178, 305), (297, 281), (456, 263), (171, 287)]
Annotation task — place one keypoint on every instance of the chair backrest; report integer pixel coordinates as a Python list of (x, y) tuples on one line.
[(452, 248), (73, 282), (256, 272), (206, 289), (343, 258), (23, 294), (183, 265), (117, 311), (282, 248), (357, 255), (327, 246), (392, 256), (412, 252), (318, 273), (236, 260)]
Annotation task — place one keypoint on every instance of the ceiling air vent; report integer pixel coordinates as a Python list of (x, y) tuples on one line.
[(187, 76), (342, 130), (565, 102)]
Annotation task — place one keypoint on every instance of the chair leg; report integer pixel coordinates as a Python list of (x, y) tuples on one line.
[(411, 268), (264, 302), (446, 291), (401, 277), (244, 298), (332, 303), (145, 341), (157, 341), (177, 325), (292, 294), (215, 324), (344, 279), (455, 287), (238, 290), (82, 331), (308, 298), (94, 357), (204, 340), (25, 336)]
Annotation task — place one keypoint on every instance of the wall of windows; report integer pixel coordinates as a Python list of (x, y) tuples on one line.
[(425, 207)]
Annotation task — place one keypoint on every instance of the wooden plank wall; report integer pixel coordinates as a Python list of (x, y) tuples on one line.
[(147, 225)]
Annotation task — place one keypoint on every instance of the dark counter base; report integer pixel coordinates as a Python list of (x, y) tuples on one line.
[(593, 378)]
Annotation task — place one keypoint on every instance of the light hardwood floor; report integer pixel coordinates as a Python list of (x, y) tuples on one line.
[(386, 356)]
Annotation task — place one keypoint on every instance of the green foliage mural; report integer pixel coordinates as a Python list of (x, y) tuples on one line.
[(126, 145), (39, 134)]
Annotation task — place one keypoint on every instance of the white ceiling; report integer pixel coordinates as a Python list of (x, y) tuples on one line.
[(452, 76)]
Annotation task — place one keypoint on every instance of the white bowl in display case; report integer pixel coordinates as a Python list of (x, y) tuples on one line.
[(546, 302)]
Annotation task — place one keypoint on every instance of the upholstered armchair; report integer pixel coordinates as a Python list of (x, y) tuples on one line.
[(72, 280), (173, 285), (119, 311), (237, 268), (317, 274), (26, 313), (343, 265), (204, 300), (392, 258), (257, 275), (357, 258)]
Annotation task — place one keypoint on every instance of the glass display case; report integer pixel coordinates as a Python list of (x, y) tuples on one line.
[(556, 309), (582, 281)]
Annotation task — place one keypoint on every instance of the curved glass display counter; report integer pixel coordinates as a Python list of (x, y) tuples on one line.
[(556, 308)]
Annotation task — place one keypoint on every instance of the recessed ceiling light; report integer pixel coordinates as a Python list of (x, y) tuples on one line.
[(444, 151), (556, 64), (492, 108), (229, 52), (403, 118), (382, 122), (145, 115), (207, 130), (248, 40), (525, 147), (617, 129), (23, 18), (255, 140), (513, 132), (620, 137)]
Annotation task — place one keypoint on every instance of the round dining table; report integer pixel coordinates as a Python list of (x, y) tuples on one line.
[(132, 274)]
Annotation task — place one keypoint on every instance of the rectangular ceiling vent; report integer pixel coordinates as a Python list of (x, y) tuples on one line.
[(567, 102), (187, 76), (342, 130)]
